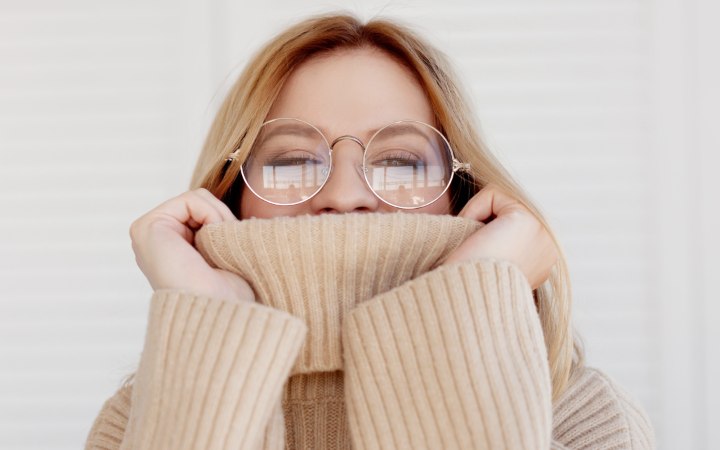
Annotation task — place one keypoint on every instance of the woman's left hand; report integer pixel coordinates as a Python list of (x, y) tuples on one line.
[(514, 235)]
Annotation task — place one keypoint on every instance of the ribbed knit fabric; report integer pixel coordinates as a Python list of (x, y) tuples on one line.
[(209, 364), (399, 352), (318, 268), (468, 377)]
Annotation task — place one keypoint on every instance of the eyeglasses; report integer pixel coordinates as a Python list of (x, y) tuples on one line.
[(406, 164)]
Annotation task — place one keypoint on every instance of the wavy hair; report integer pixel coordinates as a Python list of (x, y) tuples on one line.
[(248, 102)]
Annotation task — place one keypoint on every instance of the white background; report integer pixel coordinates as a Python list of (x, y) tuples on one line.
[(604, 110)]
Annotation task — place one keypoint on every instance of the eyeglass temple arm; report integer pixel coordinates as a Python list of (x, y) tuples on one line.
[(460, 166), (232, 156)]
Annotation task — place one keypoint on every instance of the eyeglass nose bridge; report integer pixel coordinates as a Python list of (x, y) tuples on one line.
[(360, 168), (350, 137)]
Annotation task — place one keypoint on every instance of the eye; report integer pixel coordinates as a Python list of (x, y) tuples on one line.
[(395, 162), (396, 158), (293, 161), (287, 156)]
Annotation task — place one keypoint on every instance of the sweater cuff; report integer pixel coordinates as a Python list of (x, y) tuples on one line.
[(452, 359), (210, 372)]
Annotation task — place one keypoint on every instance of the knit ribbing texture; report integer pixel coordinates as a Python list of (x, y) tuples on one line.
[(360, 339), (209, 359), (318, 268)]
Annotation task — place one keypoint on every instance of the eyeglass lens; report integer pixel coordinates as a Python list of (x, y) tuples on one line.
[(406, 164)]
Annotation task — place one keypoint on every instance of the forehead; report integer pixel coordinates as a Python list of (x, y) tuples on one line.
[(352, 92)]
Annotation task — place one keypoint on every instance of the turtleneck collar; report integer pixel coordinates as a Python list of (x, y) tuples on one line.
[(319, 267)]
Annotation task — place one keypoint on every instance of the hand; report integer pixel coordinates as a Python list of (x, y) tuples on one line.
[(163, 241), (514, 235)]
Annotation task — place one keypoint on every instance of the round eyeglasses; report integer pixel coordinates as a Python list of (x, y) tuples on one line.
[(406, 164)]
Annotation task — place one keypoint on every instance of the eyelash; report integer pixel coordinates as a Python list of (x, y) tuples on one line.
[(399, 156), (291, 157), (292, 161)]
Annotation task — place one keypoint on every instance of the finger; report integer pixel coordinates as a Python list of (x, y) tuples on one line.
[(190, 209), (220, 206), (479, 207), (490, 201), (208, 201)]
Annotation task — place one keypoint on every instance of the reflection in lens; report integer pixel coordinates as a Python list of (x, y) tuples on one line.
[(408, 164), (289, 162)]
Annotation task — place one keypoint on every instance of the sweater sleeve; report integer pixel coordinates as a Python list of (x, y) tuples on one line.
[(454, 359), (594, 412), (210, 377)]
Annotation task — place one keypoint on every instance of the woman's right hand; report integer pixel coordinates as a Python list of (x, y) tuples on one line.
[(163, 242)]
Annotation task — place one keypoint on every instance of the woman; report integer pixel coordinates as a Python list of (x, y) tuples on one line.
[(297, 328)]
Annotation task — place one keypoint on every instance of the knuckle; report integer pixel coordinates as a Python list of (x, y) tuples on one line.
[(520, 213), (202, 194), (141, 226), (155, 226), (134, 229)]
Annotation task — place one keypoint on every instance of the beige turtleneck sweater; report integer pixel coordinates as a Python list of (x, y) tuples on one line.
[(358, 339)]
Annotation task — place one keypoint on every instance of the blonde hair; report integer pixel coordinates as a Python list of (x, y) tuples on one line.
[(246, 106)]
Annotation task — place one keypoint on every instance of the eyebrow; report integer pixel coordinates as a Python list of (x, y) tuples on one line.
[(291, 128), (402, 128)]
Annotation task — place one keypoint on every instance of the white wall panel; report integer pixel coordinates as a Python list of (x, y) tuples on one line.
[(92, 126)]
